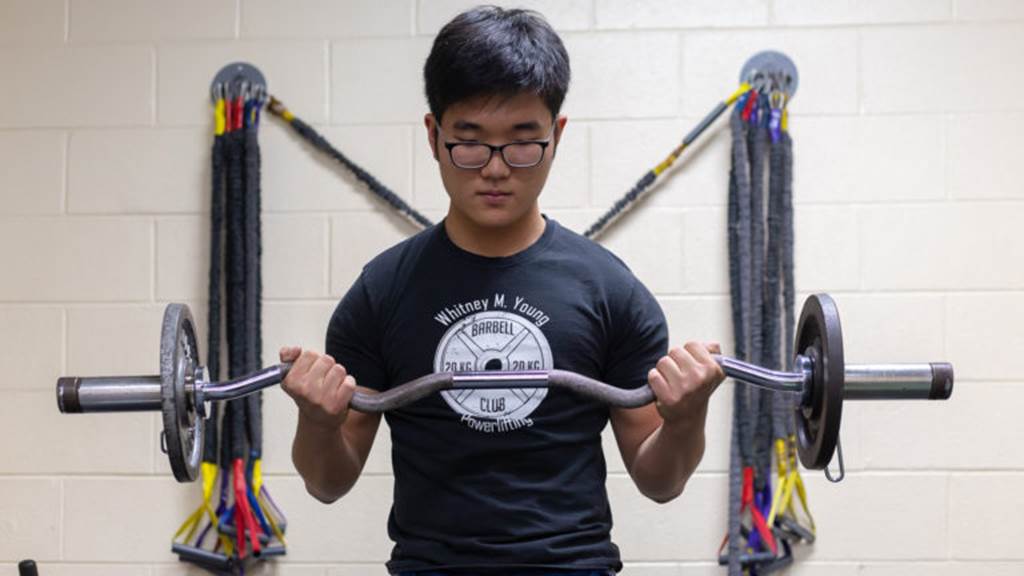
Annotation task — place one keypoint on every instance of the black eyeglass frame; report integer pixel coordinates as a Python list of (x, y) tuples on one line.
[(501, 150)]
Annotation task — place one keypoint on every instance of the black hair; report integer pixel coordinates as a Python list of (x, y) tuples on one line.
[(490, 50)]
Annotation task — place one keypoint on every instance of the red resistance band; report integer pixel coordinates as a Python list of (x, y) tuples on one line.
[(755, 514), (238, 113), (244, 521), (749, 108)]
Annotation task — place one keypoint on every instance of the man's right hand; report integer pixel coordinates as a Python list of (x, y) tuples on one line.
[(320, 386)]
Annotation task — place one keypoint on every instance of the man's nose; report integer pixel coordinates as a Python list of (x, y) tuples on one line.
[(496, 167)]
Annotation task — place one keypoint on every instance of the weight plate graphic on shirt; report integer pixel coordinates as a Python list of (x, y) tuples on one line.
[(494, 340)]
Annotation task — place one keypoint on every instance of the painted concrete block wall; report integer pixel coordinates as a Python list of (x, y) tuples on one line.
[(908, 210)]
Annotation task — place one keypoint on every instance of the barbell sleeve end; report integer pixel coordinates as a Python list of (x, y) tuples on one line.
[(67, 395), (942, 381), (78, 394)]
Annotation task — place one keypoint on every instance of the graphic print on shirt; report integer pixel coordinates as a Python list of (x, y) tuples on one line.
[(493, 334)]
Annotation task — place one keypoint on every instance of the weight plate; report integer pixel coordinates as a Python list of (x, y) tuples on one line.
[(770, 63), (819, 337), (179, 359)]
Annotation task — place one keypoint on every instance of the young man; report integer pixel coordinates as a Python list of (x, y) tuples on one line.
[(499, 481)]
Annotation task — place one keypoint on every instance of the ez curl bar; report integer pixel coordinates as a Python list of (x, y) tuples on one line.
[(822, 380)]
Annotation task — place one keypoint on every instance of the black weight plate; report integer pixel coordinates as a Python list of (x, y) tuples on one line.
[(179, 358), (819, 337)]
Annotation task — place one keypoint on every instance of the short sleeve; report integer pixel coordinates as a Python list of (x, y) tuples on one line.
[(353, 338), (638, 339)]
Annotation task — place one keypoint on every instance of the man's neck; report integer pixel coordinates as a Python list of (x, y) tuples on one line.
[(494, 242)]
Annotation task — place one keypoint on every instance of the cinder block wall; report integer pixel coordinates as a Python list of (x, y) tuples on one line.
[(907, 132)]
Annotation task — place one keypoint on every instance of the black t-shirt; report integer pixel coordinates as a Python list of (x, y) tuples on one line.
[(498, 478)]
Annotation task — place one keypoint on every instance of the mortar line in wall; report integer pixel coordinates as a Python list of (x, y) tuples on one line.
[(67, 21), (64, 175), (329, 242), (415, 17), (328, 77), (414, 190), (859, 63), (810, 27), (947, 119), (156, 426), (949, 516), (944, 325), (238, 19), (85, 304), (681, 74), (843, 293), (60, 519), (65, 339), (588, 162), (152, 260), (155, 84)]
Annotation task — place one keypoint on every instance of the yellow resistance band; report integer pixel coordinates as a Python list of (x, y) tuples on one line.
[(208, 472), (667, 162)]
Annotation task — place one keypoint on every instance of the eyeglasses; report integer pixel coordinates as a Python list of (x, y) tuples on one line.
[(519, 154)]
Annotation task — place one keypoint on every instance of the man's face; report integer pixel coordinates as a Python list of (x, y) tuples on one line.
[(494, 195)]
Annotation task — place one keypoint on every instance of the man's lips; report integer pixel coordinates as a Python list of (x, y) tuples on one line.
[(493, 193)]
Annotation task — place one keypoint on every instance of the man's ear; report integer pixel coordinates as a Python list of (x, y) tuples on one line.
[(432, 133), (560, 121)]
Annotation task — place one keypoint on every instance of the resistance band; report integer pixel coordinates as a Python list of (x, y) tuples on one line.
[(647, 180), (760, 234), (307, 133), (315, 139), (245, 511)]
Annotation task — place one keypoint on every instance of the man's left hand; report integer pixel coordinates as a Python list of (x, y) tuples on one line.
[(684, 380)]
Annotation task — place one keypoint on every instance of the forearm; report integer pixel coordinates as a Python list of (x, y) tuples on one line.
[(668, 457), (326, 461)]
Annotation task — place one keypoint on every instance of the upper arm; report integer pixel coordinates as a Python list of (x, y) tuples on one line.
[(638, 340), (632, 426)]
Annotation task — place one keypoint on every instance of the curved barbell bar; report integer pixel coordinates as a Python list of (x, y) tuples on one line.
[(821, 379), (928, 381)]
